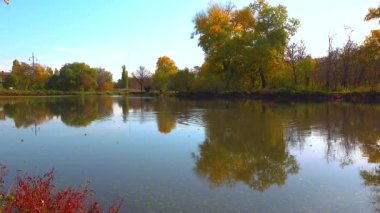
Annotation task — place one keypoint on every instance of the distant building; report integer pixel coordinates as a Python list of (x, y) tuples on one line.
[(3, 76)]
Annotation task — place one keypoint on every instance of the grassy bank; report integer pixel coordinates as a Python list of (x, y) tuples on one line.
[(270, 95), (7, 93), (290, 95)]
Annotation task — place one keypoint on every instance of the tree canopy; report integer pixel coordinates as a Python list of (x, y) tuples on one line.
[(165, 67), (373, 13), (241, 44)]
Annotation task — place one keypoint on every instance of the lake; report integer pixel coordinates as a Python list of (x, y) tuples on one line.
[(172, 155)]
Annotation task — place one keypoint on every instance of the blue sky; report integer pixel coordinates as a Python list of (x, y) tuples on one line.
[(110, 33)]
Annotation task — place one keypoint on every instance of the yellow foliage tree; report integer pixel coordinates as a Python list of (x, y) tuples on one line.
[(165, 68)]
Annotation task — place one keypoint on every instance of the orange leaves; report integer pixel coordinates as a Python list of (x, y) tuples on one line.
[(166, 64)]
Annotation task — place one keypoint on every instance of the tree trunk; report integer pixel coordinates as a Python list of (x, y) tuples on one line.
[(294, 74), (262, 77)]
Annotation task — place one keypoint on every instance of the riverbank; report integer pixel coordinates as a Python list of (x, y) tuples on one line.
[(279, 95), (268, 95), (37, 93)]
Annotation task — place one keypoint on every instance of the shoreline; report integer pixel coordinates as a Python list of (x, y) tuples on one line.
[(274, 95), (301, 96), (50, 93)]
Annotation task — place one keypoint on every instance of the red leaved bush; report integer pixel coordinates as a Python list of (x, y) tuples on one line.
[(38, 195)]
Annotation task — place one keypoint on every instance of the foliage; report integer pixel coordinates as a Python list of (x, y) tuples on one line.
[(246, 50), (124, 78), (26, 77), (103, 79), (10, 81), (77, 76), (38, 194), (182, 81), (373, 13), (241, 44), (165, 68)]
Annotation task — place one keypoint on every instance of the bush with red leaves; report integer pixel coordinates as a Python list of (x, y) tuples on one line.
[(39, 195)]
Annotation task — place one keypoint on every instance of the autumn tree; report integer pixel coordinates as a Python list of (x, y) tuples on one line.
[(165, 68), (246, 42), (141, 76), (373, 13), (40, 76), (103, 79), (23, 75), (370, 57), (273, 29)]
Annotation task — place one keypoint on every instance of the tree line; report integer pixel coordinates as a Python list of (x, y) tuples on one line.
[(250, 49), (71, 77), (246, 50)]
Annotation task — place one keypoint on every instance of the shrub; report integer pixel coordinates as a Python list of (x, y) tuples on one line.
[(39, 195)]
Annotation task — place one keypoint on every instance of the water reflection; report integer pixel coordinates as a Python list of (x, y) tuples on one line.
[(74, 111), (246, 142)]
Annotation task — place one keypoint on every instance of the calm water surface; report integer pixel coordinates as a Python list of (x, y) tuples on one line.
[(170, 155)]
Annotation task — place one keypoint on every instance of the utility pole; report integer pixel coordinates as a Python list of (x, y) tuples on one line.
[(33, 59)]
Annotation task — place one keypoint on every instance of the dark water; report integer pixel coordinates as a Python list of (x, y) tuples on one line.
[(170, 155)]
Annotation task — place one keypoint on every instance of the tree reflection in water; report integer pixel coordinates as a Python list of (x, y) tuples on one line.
[(246, 141), (75, 111)]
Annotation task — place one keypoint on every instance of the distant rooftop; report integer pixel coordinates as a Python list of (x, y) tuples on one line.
[(3, 73)]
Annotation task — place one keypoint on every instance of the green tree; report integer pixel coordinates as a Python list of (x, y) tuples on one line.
[(10, 81), (182, 81), (77, 76), (124, 77), (272, 30), (305, 67)]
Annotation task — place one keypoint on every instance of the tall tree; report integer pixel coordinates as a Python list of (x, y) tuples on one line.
[(141, 76), (244, 42), (273, 29), (223, 32), (165, 68), (124, 77), (294, 53), (347, 57)]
